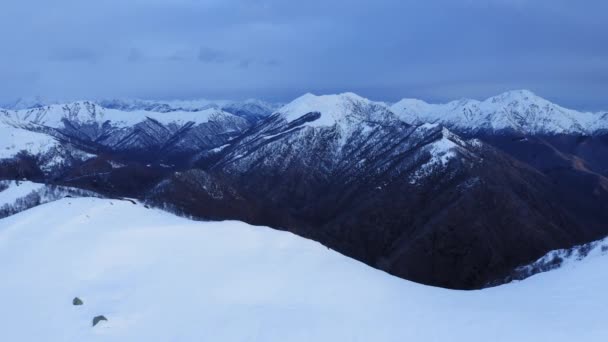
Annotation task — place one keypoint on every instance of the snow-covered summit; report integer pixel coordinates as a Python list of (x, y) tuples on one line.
[(338, 109), (518, 110)]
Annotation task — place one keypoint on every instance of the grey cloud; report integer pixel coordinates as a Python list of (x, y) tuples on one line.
[(210, 55), (275, 49)]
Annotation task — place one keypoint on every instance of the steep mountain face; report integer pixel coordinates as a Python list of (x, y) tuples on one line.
[(518, 111), (417, 201)]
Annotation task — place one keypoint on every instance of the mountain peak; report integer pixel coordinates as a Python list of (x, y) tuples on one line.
[(333, 108), (515, 110)]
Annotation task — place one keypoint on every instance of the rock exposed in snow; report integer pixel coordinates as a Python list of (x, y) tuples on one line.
[(98, 319)]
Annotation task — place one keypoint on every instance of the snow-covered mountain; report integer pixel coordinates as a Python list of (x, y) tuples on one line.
[(410, 197), (14, 140), (85, 112), (22, 149), (513, 111), (97, 129), (250, 109), (345, 134), (347, 172), (157, 277)]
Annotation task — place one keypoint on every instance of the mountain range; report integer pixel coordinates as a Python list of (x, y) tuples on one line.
[(457, 195)]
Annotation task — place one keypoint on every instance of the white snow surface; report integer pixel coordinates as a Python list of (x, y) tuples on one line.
[(334, 109), (519, 110), (14, 140), (18, 190), (157, 277)]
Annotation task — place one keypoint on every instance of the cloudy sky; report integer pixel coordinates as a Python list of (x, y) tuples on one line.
[(383, 49)]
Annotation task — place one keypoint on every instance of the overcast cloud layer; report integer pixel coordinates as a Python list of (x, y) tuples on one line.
[(385, 50)]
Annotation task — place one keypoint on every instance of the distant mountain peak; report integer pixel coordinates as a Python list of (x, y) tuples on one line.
[(515, 110), (518, 110), (334, 109), (517, 93)]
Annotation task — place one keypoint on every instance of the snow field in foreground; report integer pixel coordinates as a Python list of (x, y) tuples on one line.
[(157, 277)]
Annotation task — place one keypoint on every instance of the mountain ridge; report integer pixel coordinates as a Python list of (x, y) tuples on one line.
[(514, 111), (427, 201)]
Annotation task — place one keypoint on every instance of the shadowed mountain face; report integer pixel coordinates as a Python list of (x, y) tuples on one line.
[(383, 192), (415, 199)]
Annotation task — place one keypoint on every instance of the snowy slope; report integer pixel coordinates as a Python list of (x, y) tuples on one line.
[(17, 190), (338, 109), (441, 151), (50, 153), (157, 277), (519, 110), (14, 140), (17, 196), (90, 125)]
